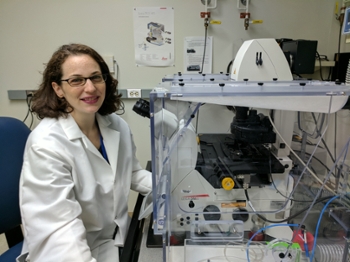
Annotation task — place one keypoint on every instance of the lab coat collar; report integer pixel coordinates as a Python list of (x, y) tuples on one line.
[(110, 136), (102, 121), (70, 127)]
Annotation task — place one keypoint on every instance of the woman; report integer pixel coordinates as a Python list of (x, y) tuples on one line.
[(79, 164)]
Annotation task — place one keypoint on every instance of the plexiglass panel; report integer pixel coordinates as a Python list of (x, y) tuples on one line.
[(247, 184)]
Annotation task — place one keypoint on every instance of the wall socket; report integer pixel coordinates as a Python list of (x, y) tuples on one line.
[(126, 93), (133, 93)]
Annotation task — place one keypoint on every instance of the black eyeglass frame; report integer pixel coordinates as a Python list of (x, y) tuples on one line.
[(104, 78)]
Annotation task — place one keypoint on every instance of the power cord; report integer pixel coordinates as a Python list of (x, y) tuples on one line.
[(29, 111), (318, 56), (228, 69), (122, 109), (206, 22)]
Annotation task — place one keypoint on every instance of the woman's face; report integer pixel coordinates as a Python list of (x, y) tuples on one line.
[(84, 99)]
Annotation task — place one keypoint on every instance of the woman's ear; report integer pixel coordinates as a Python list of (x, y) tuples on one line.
[(58, 89)]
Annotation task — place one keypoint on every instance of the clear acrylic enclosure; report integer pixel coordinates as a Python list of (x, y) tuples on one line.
[(245, 188)]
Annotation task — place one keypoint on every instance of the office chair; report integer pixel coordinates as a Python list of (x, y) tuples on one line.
[(13, 137)]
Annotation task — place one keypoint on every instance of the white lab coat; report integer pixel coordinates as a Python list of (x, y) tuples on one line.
[(71, 199)]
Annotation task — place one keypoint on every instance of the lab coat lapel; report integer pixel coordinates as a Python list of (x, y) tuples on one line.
[(72, 131), (111, 138), (70, 127)]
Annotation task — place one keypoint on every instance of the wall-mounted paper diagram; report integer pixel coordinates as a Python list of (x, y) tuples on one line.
[(154, 36)]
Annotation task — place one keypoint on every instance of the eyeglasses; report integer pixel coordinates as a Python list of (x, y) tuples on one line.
[(80, 81)]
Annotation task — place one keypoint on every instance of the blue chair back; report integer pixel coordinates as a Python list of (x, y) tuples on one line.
[(13, 137)]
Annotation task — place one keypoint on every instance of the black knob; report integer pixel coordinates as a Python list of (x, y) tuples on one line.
[(239, 214), (211, 212)]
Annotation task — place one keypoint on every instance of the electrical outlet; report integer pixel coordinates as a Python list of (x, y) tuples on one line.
[(134, 93)]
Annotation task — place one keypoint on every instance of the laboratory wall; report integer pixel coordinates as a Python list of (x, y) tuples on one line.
[(30, 31)]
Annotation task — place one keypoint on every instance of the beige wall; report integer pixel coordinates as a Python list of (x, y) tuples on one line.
[(31, 30)]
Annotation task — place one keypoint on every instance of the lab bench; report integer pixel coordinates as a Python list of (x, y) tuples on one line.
[(155, 254)]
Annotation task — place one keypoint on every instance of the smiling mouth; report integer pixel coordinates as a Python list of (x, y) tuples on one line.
[(90, 99)]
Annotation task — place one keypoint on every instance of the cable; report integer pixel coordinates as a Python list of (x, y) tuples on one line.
[(318, 160), (328, 151), (31, 115), (333, 228), (205, 43), (335, 135), (297, 138), (229, 65), (262, 229), (179, 134), (242, 244), (122, 108), (337, 79), (116, 73), (339, 42), (29, 111), (318, 56), (288, 218), (301, 161), (319, 132), (344, 154), (322, 164), (323, 184), (256, 257), (278, 191), (306, 165), (318, 226), (291, 199), (197, 120)]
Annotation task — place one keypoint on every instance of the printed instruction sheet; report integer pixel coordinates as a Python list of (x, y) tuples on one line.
[(194, 52)]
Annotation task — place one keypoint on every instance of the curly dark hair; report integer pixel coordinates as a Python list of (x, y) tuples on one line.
[(45, 102)]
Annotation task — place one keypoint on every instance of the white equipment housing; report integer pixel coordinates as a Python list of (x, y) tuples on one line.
[(261, 60)]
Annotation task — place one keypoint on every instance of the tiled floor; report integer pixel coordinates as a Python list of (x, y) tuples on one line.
[(3, 244)]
